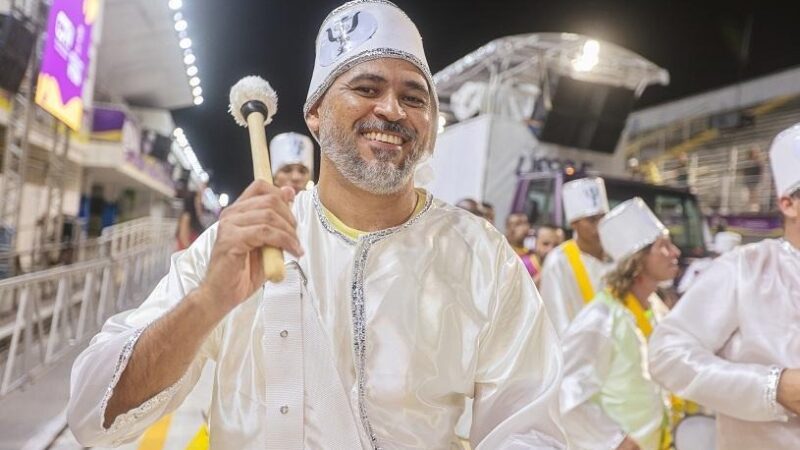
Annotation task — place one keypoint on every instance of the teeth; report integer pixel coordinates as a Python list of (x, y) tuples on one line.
[(382, 137)]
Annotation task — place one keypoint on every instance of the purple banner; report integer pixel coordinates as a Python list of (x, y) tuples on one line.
[(65, 61), (107, 124)]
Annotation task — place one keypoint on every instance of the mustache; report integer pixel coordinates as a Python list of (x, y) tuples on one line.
[(392, 127)]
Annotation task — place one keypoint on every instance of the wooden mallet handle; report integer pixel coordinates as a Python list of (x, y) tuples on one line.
[(271, 257)]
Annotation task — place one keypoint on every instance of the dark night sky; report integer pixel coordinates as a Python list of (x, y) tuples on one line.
[(698, 42)]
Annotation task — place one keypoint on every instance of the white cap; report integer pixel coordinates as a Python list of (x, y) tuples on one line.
[(364, 30), (785, 158), (584, 197), (725, 241), (291, 148), (628, 228)]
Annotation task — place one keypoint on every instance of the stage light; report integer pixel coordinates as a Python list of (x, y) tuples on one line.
[(198, 100), (223, 200), (181, 25), (197, 91), (588, 58), (189, 59), (185, 43), (194, 81), (175, 4), (191, 71)]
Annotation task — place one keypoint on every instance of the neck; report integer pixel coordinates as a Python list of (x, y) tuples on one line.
[(520, 244), (643, 288), (360, 209), (792, 234), (592, 248)]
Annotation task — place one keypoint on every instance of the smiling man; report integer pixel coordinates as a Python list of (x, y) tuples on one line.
[(396, 307)]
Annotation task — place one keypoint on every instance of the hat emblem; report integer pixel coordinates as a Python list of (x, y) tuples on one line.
[(593, 193), (346, 33)]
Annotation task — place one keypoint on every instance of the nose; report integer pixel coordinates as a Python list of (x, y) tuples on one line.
[(389, 108)]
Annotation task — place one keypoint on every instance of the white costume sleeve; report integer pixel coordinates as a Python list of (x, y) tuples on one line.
[(555, 275), (588, 353), (519, 368), (97, 369), (684, 345)]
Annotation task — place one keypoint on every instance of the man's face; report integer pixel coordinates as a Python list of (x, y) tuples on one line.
[(374, 124), (517, 229), (546, 240), (587, 228), (661, 262), (295, 175)]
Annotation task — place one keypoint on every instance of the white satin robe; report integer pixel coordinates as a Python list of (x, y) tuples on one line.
[(727, 340), (446, 311), (559, 289), (607, 392)]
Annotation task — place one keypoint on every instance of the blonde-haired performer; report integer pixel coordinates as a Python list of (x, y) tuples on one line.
[(292, 160), (573, 272), (732, 343), (396, 307), (607, 398)]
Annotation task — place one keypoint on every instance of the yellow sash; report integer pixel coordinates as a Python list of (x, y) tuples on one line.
[(573, 254), (645, 325)]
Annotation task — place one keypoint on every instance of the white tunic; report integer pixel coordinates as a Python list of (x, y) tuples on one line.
[(728, 338), (559, 288), (405, 324)]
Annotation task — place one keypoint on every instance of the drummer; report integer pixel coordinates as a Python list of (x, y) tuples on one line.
[(607, 398)]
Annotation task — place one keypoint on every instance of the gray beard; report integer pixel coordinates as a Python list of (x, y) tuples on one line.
[(379, 176)]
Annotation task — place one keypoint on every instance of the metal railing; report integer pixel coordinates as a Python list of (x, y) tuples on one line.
[(49, 313)]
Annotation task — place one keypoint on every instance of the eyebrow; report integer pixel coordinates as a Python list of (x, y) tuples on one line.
[(410, 84)]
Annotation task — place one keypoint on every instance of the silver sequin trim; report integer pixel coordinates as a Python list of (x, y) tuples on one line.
[(127, 419), (771, 393), (323, 219), (369, 55), (357, 307), (790, 248)]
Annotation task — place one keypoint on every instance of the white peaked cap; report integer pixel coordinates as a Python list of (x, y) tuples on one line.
[(291, 148), (364, 30), (725, 241), (784, 155), (628, 228), (584, 197)]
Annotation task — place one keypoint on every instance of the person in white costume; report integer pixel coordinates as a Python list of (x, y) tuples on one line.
[(573, 271), (396, 307), (608, 400), (732, 343), (292, 160)]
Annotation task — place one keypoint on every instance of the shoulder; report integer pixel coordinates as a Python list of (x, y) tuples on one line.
[(598, 316), (556, 257), (461, 226)]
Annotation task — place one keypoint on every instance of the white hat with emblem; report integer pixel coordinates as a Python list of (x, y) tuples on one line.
[(628, 228), (364, 30), (584, 197), (784, 155), (291, 148)]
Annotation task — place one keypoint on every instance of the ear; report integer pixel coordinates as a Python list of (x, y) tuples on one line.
[(312, 119), (789, 206)]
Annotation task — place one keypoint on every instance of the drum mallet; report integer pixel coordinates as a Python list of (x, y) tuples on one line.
[(253, 103)]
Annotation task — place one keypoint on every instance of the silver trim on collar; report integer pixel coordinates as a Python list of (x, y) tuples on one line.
[(365, 243)]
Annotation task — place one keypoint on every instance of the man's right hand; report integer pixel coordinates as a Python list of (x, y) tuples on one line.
[(260, 217), (789, 390)]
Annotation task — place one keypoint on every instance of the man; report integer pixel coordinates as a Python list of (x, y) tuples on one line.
[(470, 205), (487, 211), (292, 160), (547, 239), (574, 270), (607, 398), (517, 229), (732, 343), (396, 307)]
